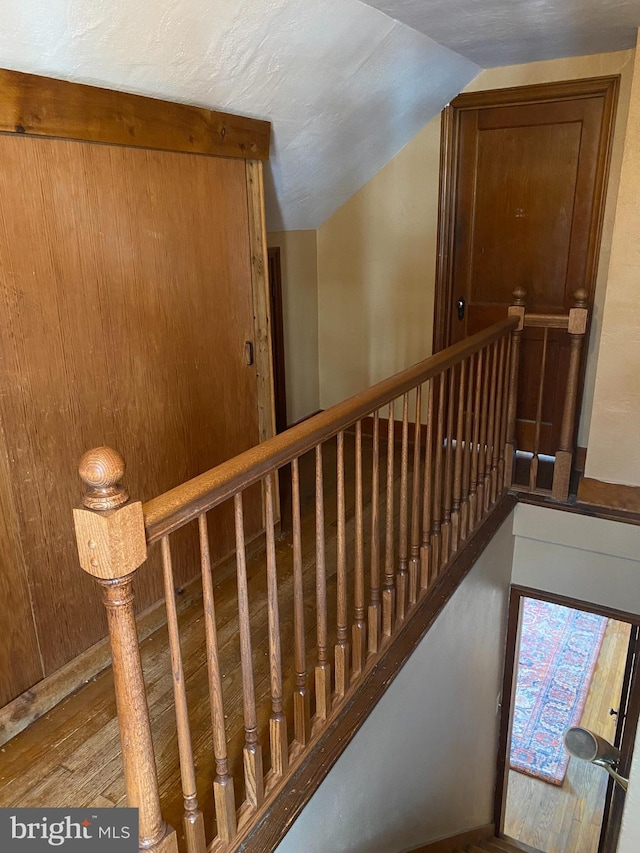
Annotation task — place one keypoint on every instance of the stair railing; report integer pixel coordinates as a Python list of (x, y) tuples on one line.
[(562, 458), (436, 439)]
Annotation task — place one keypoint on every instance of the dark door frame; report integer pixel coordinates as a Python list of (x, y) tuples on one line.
[(277, 337), (606, 87), (517, 593)]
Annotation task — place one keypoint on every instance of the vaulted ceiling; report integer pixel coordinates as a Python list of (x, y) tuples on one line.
[(346, 85)]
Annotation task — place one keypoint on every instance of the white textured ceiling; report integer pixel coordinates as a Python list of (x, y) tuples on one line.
[(511, 32), (345, 85)]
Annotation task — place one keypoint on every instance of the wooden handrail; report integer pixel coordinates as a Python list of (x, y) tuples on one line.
[(176, 507), (416, 529)]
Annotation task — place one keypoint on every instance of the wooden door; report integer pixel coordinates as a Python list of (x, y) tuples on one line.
[(522, 205), (127, 300)]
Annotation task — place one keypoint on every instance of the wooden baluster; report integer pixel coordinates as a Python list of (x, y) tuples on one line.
[(448, 472), (503, 417), (482, 452), (533, 470), (359, 628), (323, 667), (466, 468), (342, 646), (426, 561), (388, 591), (112, 545), (192, 819), (497, 428), (459, 451), (375, 611), (403, 565), (252, 751), (301, 703), (515, 310), (491, 438), (414, 563), (223, 790), (436, 528), (277, 722), (564, 455), (474, 514)]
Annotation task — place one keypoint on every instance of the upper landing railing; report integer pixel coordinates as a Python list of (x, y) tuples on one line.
[(420, 461)]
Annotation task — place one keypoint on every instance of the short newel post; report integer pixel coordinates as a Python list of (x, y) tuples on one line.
[(564, 455), (111, 546), (515, 310)]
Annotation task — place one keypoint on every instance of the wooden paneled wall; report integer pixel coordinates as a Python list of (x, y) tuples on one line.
[(128, 280)]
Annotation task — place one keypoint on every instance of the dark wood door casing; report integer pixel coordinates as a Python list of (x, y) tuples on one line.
[(629, 703), (523, 182)]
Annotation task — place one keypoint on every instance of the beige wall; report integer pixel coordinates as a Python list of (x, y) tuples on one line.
[(376, 255), (300, 308), (376, 265), (614, 446)]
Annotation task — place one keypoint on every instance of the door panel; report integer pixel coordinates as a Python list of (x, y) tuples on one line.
[(125, 296), (522, 202)]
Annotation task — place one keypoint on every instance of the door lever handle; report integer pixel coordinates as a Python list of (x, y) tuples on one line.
[(460, 306)]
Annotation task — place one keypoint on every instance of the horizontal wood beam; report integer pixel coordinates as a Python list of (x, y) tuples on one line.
[(43, 106), (546, 321)]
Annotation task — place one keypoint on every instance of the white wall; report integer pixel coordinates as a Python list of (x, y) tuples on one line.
[(422, 766), (591, 559)]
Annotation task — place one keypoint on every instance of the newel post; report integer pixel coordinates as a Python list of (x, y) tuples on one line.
[(111, 546), (564, 455), (515, 310)]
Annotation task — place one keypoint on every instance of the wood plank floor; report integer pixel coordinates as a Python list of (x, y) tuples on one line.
[(71, 756), (567, 818)]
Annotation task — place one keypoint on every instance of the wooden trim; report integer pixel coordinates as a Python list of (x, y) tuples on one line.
[(261, 301), (621, 515), (457, 842), (449, 141), (612, 495), (43, 106), (577, 604), (177, 507), (287, 798), (502, 764), (538, 93)]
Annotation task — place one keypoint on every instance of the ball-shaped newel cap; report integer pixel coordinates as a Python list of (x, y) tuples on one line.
[(519, 295), (581, 295), (101, 470)]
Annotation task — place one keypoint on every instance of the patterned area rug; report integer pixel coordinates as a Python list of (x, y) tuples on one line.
[(558, 652)]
